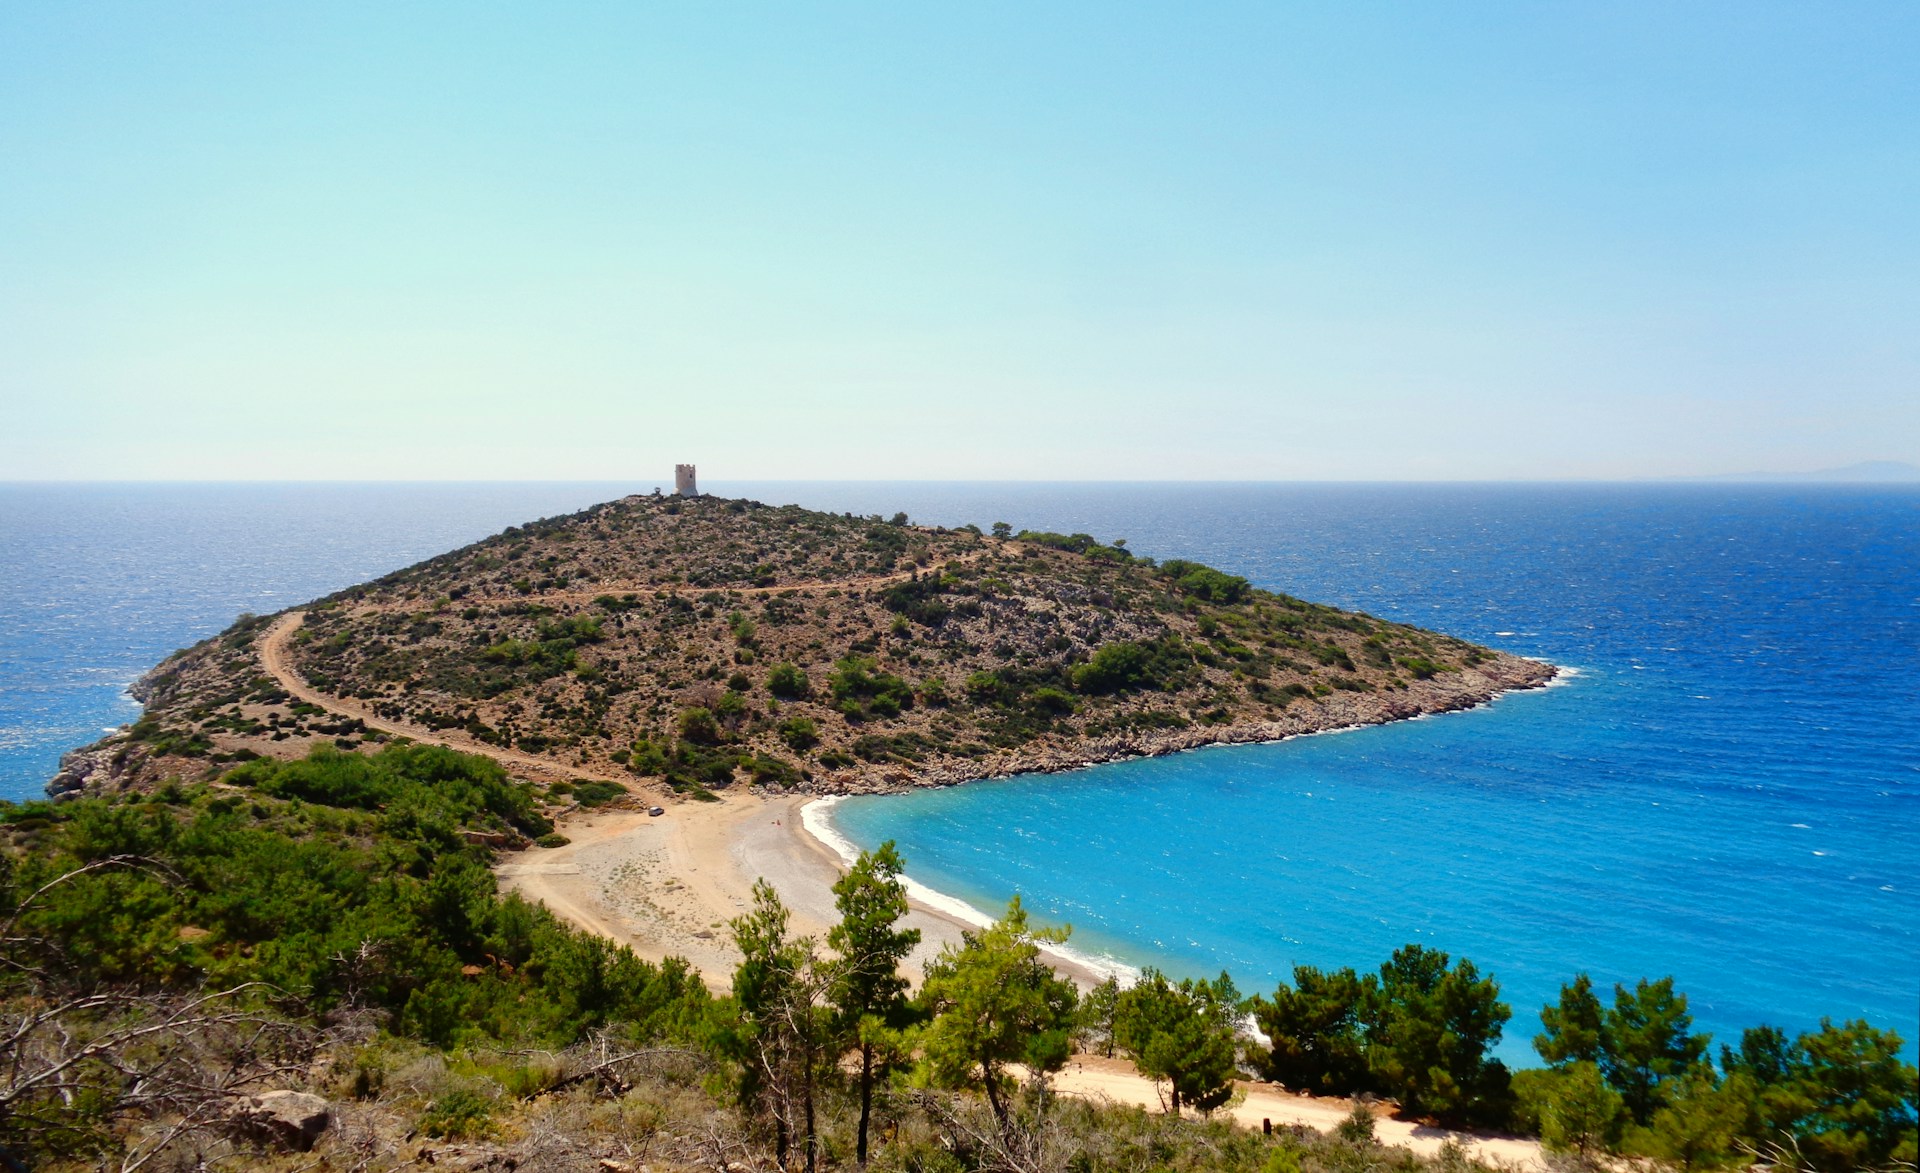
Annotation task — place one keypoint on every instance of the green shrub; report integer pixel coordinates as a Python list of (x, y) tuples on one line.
[(597, 793), (1204, 582), (1358, 1127), (698, 726), (983, 688), (799, 733), (1053, 700), (1123, 666), (399, 777), (858, 688), (458, 1114), (918, 600), (789, 682)]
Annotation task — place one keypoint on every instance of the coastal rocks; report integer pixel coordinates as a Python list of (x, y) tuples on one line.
[(292, 1120), (88, 769), (1443, 693)]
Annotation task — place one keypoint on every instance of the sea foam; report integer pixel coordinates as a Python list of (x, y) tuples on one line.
[(817, 819)]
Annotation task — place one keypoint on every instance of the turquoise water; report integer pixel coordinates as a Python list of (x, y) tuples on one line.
[(1729, 790)]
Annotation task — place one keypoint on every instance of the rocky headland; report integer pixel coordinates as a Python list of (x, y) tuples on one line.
[(701, 643)]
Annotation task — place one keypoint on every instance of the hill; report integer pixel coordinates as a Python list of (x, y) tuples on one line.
[(704, 642)]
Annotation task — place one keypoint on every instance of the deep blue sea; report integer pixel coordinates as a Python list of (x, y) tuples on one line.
[(1727, 787), (99, 582)]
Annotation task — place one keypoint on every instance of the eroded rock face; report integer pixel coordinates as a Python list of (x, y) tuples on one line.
[(292, 1120), (91, 767)]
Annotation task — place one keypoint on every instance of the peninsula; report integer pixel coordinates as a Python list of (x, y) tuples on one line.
[(697, 643), (280, 914)]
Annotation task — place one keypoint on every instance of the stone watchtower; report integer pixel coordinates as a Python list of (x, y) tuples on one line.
[(683, 485)]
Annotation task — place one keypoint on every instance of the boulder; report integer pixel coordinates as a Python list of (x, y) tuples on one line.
[(291, 1119)]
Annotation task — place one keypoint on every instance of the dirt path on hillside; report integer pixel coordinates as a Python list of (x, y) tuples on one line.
[(273, 650), (272, 647)]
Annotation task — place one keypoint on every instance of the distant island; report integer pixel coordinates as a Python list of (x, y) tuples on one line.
[(704, 642)]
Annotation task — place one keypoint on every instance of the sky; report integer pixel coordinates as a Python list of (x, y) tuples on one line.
[(1329, 241)]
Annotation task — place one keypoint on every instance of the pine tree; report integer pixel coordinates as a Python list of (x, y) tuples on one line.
[(1572, 1029), (780, 1030), (1646, 1042), (1317, 1031), (1182, 1034), (995, 1003), (868, 993)]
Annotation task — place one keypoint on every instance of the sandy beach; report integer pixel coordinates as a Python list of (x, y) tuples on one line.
[(1116, 1080), (667, 885)]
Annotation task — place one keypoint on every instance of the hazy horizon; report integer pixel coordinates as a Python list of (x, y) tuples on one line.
[(1867, 473), (1484, 242)]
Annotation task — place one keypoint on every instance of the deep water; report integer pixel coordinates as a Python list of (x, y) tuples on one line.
[(1727, 790), (99, 582)]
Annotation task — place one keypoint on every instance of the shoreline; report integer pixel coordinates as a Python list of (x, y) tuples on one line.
[(1454, 692), (1086, 969), (667, 886)]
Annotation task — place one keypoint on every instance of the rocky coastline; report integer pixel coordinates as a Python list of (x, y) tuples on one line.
[(1454, 692)]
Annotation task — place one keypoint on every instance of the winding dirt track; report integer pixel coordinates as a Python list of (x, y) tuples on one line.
[(273, 657), (272, 647)]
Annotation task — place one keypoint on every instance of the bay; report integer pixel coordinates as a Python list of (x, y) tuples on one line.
[(1725, 788)]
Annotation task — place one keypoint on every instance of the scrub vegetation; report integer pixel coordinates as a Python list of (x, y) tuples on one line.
[(699, 642), (332, 925)]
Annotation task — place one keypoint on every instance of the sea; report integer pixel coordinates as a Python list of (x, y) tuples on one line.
[(1722, 786)]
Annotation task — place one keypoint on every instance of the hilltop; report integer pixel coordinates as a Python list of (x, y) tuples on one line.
[(702, 642)]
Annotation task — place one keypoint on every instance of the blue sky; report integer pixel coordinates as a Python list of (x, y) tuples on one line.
[(1335, 241)]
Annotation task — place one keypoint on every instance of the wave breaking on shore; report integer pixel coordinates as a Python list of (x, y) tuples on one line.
[(816, 819)]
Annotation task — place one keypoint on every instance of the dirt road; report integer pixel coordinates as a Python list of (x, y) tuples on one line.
[(1116, 1080), (273, 657)]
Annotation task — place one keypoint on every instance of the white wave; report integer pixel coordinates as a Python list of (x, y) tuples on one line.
[(817, 820), (1565, 676)]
